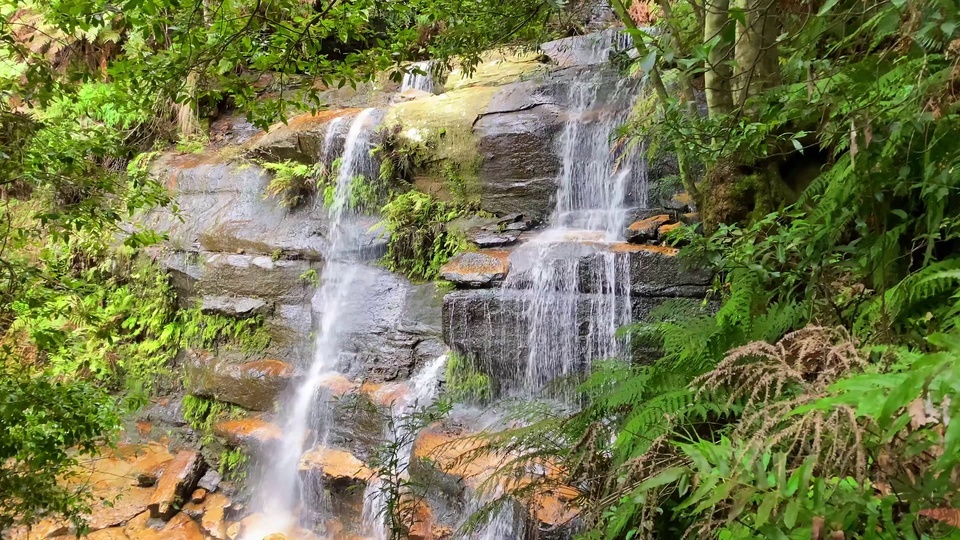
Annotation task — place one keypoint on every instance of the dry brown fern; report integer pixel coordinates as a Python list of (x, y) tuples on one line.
[(773, 380)]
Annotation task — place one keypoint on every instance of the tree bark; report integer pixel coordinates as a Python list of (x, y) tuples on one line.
[(756, 49), (659, 88), (718, 29)]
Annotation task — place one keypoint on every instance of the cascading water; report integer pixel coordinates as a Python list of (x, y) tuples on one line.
[(423, 389), (306, 422), (574, 286), (419, 76)]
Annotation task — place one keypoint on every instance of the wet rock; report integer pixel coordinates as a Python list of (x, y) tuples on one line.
[(516, 137), (251, 385), (210, 481), (233, 306), (251, 433), (656, 272), (253, 277), (210, 513), (198, 495), (301, 138), (585, 50), (384, 328), (180, 527), (451, 460), (179, 478), (477, 268), (681, 202), (646, 229), (337, 468), (223, 209), (484, 239)]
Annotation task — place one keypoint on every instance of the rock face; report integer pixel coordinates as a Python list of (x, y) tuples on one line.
[(252, 385), (489, 325), (251, 433)]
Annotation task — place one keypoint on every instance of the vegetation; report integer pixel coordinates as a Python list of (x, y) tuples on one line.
[(420, 240), (815, 402)]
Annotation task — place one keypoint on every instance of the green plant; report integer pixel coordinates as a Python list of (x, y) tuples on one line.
[(420, 241), (192, 144), (464, 382), (233, 464), (294, 182), (310, 277)]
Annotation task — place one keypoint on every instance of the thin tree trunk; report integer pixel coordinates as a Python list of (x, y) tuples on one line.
[(686, 88), (659, 88), (718, 28), (756, 49)]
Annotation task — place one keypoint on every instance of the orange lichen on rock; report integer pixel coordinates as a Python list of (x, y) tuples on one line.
[(635, 248), (335, 465), (248, 432)]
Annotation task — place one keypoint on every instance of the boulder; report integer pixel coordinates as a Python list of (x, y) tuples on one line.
[(252, 385), (477, 268), (179, 478), (646, 229), (210, 513), (337, 468), (304, 138)]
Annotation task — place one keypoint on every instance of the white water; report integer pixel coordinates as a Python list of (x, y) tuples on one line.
[(423, 389), (575, 288), (419, 81), (280, 491)]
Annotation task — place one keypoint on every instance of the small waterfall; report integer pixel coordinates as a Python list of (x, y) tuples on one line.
[(304, 426), (423, 389), (574, 286), (424, 80)]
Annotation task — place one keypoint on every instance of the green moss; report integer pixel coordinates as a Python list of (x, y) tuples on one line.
[(202, 413), (465, 382), (420, 239), (204, 331)]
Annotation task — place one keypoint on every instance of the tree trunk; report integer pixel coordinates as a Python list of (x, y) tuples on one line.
[(756, 49), (718, 29)]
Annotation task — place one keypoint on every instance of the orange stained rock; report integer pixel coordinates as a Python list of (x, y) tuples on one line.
[(337, 385), (211, 512), (485, 261), (248, 432), (308, 120), (456, 455), (624, 247), (171, 484), (664, 229), (683, 198), (113, 533), (113, 511), (180, 527), (267, 368), (335, 464), (137, 524), (651, 222), (385, 394)]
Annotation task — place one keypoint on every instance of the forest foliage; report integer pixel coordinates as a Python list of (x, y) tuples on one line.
[(815, 402)]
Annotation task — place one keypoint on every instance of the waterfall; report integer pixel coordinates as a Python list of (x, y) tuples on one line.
[(574, 286), (424, 80), (423, 389), (305, 420)]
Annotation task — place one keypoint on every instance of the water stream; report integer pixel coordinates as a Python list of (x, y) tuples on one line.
[(574, 286), (423, 81), (305, 420)]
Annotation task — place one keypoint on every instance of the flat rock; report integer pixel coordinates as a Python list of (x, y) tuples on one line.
[(250, 433), (477, 268), (252, 385), (233, 306), (646, 229), (486, 239), (178, 479), (336, 466)]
